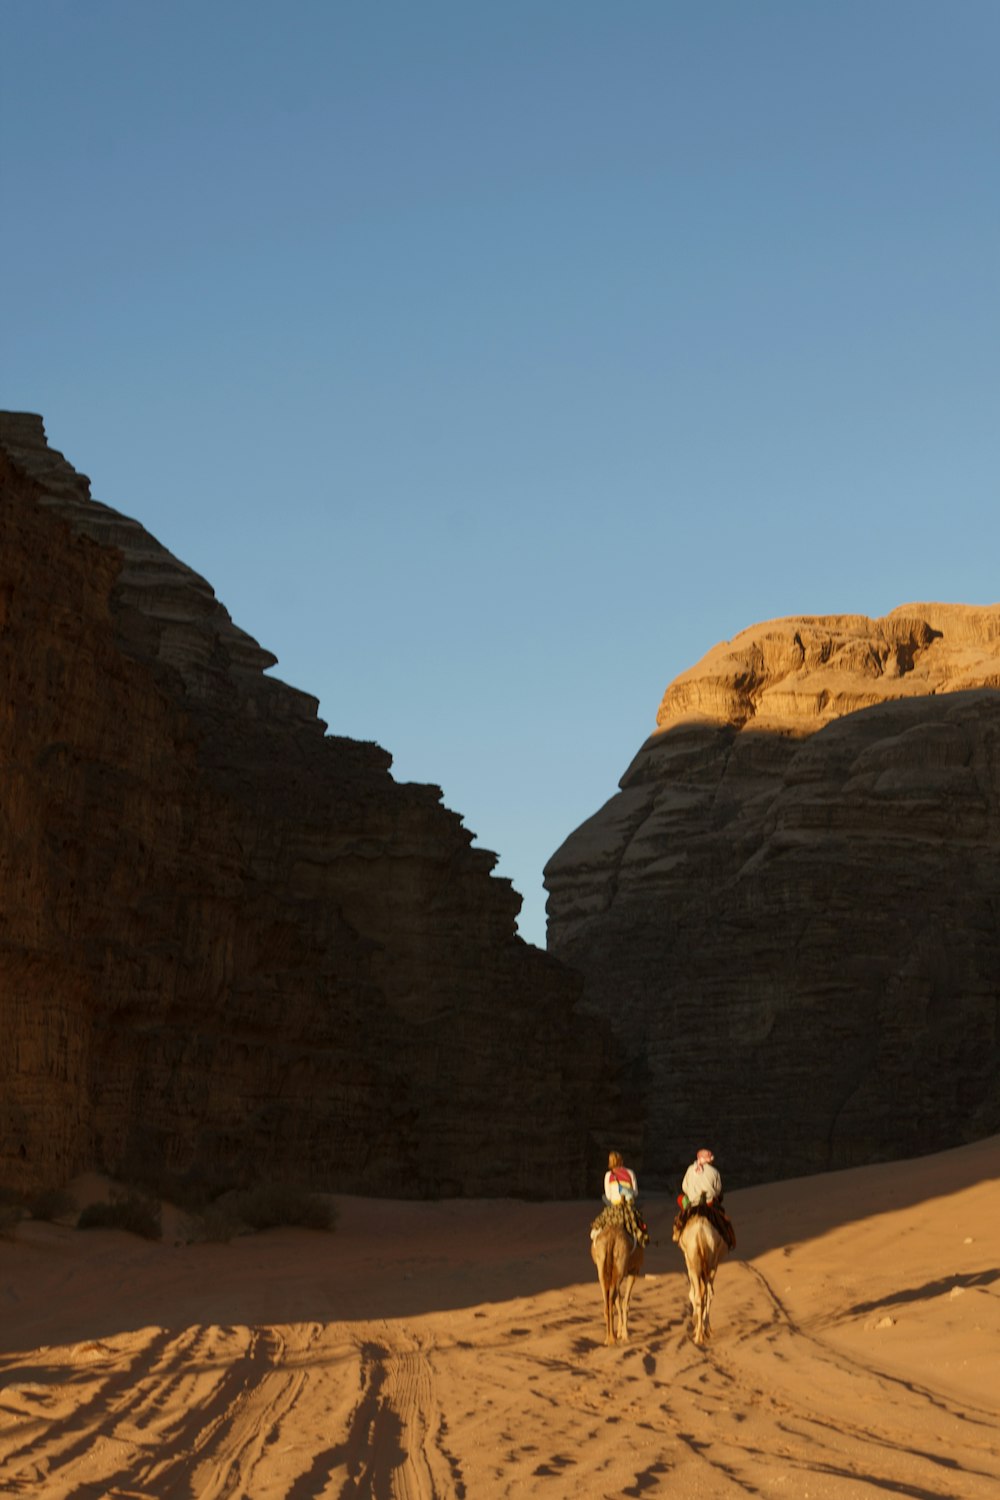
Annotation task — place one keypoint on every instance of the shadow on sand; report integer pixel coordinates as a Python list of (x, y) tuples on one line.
[(405, 1259)]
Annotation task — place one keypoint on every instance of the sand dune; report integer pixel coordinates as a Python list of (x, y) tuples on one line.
[(454, 1349)]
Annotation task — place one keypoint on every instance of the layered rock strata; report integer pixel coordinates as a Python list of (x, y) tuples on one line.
[(791, 909), (231, 945)]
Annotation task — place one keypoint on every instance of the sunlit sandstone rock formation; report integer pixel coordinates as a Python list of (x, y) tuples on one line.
[(791, 909), (232, 946)]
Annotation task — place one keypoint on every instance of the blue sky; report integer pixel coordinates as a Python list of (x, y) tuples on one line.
[(494, 361)]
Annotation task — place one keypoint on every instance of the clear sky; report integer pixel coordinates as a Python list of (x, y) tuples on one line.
[(495, 360)]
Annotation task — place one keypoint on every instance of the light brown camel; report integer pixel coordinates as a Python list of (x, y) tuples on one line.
[(703, 1247), (618, 1259)]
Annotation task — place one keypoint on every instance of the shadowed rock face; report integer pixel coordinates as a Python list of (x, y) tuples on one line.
[(791, 909), (232, 945)]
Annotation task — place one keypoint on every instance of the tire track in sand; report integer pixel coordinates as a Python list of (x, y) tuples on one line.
[(192, 1414), (394, 1447), (427, 1471), (769, 1384)]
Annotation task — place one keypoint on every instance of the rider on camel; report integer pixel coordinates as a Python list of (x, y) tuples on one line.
[(702, 1178), (619, 1180), (621, 1187), (701, 1192)]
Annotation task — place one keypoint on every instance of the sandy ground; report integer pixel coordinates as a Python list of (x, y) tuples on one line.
[(455, 1349)]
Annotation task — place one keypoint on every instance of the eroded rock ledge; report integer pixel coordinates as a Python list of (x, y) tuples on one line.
[(791, 910), (232, 945), (793, 676)]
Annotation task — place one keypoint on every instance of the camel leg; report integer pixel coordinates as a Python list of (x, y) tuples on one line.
[(707, 1302), (704, 1299), (698, 1302), (693, 1298), (624, 1298), (607, 1279)]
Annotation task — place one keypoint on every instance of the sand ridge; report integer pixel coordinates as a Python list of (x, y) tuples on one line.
[(455, 1349)]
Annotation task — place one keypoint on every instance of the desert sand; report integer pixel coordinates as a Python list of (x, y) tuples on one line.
[(455, 1349)]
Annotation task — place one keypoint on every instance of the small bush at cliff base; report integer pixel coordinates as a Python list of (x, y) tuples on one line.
[(192, 1191), (272, 1204), (130, 1212), (12, 1210), (268, 1206), (49, 1205), (55, 1203)]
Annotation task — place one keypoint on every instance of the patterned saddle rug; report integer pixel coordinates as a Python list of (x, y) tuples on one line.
[(627, 1216)]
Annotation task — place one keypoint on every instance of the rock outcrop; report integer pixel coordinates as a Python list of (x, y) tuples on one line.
[(231, 945), (790, 912)]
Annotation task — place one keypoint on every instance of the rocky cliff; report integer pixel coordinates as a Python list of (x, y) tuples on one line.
[(231, 945), (791, 910)]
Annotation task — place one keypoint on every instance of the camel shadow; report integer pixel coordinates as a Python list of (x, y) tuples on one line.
[(974, 1280)]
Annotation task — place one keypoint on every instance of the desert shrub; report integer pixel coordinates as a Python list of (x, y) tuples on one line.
[(192, 1191), (55, 1203), (11, 1215), (272, 1204), (130, 1211), (267, 1206), (12, 1210), (219, 1224)]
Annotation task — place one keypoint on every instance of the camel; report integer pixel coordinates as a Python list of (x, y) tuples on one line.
[(703, 1247), (618, 1259)]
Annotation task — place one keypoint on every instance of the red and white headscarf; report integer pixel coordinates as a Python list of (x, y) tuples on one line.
[(703, 1158)]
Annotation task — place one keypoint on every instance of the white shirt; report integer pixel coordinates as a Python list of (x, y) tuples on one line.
[(703, 1178), (612, 1190)]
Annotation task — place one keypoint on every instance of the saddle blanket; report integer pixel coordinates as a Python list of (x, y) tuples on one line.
[(626, 1215), (714, 1214)]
